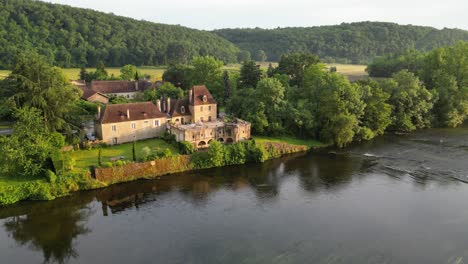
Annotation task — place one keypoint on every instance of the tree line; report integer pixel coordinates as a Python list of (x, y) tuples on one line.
[(356, 43)]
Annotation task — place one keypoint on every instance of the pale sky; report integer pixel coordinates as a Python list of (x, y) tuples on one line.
[(213, 14)]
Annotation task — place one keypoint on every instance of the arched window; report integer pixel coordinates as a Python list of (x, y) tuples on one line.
[(182, 109)]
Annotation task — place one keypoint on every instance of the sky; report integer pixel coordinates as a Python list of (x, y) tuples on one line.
[(215, 14)]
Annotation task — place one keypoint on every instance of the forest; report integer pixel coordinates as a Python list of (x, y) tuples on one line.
[(75, 37), (355, 43)]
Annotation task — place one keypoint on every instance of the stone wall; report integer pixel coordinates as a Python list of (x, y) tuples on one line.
[(134, 171)]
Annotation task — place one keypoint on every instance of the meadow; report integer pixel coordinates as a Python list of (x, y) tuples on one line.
[(352, 71)]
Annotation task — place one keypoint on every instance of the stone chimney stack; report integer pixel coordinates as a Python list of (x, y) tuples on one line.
[(168, 104), (190, 95), (158, 104), (128, 113)]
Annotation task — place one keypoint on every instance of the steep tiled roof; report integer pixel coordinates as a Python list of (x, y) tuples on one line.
[(138, 111), (176, 107), (199, 91), (106, 87)]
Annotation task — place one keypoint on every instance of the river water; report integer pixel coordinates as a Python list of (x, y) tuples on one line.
[(397, 199)]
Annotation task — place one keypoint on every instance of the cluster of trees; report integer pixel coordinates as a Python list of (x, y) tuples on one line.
[(345, 43), (128, 72), (47, 112), (444, 71), (75, 37), (302, 98)]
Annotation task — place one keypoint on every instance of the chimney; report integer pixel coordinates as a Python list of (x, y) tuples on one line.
[(168, 104), (98, 116), (128, 113), (158, 104), (190, 95), (136, 85)]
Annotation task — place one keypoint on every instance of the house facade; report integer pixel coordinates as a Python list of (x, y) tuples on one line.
[(193, 119)]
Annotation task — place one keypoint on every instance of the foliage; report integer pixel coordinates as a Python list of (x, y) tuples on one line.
[(128, 72), (178, 75), (76, 37), (207, 71), (216, 154), (355, 43), (250, 75), (411, 101), (166, 90), (27, 152), (34, 83), (113, 99), (294, 65), (134, 157), (186, 147)]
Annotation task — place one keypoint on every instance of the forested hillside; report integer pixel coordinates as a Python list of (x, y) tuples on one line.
[(75, 37), (345, 43)]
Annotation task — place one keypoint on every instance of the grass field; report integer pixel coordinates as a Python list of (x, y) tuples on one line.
[(352, 71), (291, 140), (86, 158)]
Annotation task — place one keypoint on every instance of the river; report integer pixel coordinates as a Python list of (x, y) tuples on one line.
[(396, 199)]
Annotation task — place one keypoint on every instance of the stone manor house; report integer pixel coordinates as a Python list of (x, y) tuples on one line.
[(193, 119)]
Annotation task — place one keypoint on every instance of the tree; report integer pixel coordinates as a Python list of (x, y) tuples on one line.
[(261, 56), (166, 90), (227, 86), (178, 75), (37, 84), (207, 70), (294, 65), (179, 52), (27, 151), (411, 101), (99, 157), (134, 157), (243, 56), (83, 73), (250, 74), (216, 154), (271, 71), (128, 72)]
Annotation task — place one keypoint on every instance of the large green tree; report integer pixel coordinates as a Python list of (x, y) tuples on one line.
[(34, 83), (294, 65), (250, 74)]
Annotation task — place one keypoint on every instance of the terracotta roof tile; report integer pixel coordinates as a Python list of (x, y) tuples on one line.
[(106, 87), (138, 111), (199, 91)]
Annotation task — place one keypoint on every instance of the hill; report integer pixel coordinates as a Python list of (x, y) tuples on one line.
[(75, 37), (345, 43)]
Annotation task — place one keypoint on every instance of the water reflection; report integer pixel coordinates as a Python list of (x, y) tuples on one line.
[(50, 227)]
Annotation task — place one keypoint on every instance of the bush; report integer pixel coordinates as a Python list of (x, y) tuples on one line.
[(186, 147), (107, 164), (168, 138), (200, 160), (51, 177), (145, 153), (119, 163)]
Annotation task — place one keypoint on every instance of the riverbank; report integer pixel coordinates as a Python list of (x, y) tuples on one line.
[(80, 179)]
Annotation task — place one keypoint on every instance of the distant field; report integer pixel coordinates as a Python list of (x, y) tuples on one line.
[(352, 71), (74, 73)]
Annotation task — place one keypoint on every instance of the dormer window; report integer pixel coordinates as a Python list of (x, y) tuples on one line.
[(182, 109), (205, 99)]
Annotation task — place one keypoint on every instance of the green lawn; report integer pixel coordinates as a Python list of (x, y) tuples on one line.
[(87, 158), (311, 143)]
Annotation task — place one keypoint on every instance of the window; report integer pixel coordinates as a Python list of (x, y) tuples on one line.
[(114, 140), (201, 118), (201, 108), (209, 108), (156, 123), (177, 120), (209, 118), (205, 98), (133, 125), (114, 128), (182, 109)]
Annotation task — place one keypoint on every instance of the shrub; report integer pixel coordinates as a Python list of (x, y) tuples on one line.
[(169, 138), (145, 153), (107, 164), (51, 177), (216, 154), (186, 147), (119, 163), (200, 160)]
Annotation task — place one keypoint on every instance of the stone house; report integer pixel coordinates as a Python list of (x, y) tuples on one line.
[(191, 119), (100, 91)]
